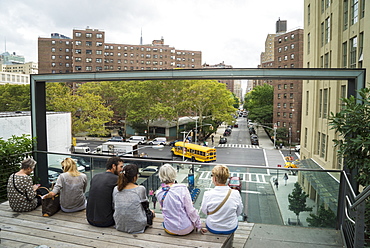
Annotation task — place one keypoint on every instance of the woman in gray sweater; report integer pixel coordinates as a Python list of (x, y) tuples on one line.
[(129, 215)]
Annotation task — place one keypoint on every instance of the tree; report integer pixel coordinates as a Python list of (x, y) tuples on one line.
[(324, 218), (15, 97), (12, 152), (297, 200), (352, 124), (88, 111), (259, 103)]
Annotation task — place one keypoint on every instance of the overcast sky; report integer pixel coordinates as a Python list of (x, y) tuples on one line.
[(233, 31)]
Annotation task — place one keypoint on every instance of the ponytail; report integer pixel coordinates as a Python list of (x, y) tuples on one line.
[(127, 176)]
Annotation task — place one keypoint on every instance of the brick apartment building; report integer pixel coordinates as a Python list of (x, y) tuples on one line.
[(288, 93), (88, 52)]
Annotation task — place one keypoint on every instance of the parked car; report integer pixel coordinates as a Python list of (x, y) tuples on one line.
[(138, 139), (148, 171), (117, 139), (158, 141), (223, 140), (235, 183), (297, 148), (82, 161), (236, 125), (254, 139)]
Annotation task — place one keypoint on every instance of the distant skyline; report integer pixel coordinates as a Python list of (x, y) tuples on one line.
[(229, 31)]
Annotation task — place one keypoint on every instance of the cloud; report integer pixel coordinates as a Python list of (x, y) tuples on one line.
[(233, 31)]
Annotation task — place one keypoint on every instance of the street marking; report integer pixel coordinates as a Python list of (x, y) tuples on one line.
[(245, 177), (239, 146), (250, 192)]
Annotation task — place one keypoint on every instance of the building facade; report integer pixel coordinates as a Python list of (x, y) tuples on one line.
[(288, 93), (336, 35), (26, 68), (229, 83), (87, 51)]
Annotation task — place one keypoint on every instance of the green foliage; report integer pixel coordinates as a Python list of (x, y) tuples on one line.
[(324, 218), (12, 152), (88, 111), (352, 124), (297, 200), (14, 97), (259, 103)]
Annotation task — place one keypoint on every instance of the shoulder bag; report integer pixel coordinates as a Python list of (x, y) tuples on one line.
[(50, 206), (221, 204), (20, 192)]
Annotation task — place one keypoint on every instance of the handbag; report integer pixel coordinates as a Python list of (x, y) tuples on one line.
[(221, 204), (149, 214), (50, 206)]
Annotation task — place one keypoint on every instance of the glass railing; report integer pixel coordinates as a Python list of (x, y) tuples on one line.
[(263, 200)]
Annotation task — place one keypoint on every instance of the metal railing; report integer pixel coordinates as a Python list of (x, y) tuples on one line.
[(351, 214)]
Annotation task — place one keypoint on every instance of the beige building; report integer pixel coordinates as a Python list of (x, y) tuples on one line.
[(87, 51), (336, 36), (26, 68), (14, 78)]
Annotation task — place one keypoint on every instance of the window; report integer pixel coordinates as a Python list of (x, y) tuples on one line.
[(52, 56), (67, 57), (327, 3), (320, 103), (285, 95), (278, 114), (53, 64), (360, 50), (88, 35), (353, 52), (99, 68), (307, 101), (291, 105), (285, 86), (78, 42), (279, 96), (88, 51), (279, 86), (284, 114), (67, 64), (53, 49), (291, 85), (67, 42), (67, 50), (119, 54), (345, 14), (291, 96), (286, 38), (279, 40), (88, 60), (278, 105), (78, 68), (327, 30), (99, 52), (99, 36), (111, 54), (343, 91), (308, 43), (279, 58), (354, 11), (292, 46), (279, 49), (284, 105), (106, 47), (323, 145), (78, 59), (362, 9), (98, 43), (322, 34), (322, 6), (292, 36), (286, 48), (99, 60), (53, 42), (88, 43), (292, 56), (326, 60), (78, 34), (88, 68), (309, 14), (325, 104)]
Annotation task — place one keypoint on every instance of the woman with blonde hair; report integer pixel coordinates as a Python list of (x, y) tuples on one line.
[(129, 214), (180, 216), (71, 185), (222, 204)]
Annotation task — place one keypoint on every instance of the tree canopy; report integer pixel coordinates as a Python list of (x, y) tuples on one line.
[(259, 103), (15, 97)]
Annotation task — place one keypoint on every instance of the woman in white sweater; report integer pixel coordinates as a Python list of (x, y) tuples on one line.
[(222, 204)]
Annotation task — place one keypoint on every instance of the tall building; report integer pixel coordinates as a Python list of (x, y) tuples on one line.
[(87, 51), (336, 36), (288, 93), (229, 83)]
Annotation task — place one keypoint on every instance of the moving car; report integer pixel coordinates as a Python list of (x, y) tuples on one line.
[(158, 141), (117, 139), (148, 171), (235, 183), (223, 140), (138, 139)]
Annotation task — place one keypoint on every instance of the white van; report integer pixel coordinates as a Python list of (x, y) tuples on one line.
[(138, 139), (81, 149), (158, 141)]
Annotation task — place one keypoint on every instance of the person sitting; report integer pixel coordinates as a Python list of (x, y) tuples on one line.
[(99, 209), (71, 185), (180, 216), (222, 204), (22, 194), (129, 214)]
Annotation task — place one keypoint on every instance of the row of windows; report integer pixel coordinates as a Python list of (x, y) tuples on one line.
[(355, 52), (286, 48), (286, 38), (285, 114), (89, 35), (291, 105), (278, 123), (88, 68), (286, 66), (285, 95), (53, 42), (286, 57), (285, 86), (100, 68)]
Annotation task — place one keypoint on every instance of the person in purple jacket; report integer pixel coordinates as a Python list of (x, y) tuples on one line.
[(180, 216)]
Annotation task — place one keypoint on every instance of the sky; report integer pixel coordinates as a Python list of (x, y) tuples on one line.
[(229, 31)]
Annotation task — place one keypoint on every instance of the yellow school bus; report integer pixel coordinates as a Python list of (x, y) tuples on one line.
[(194, 152)]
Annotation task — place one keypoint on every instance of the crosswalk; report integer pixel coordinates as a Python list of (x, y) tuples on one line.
[(245, 177), (238, 146)]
